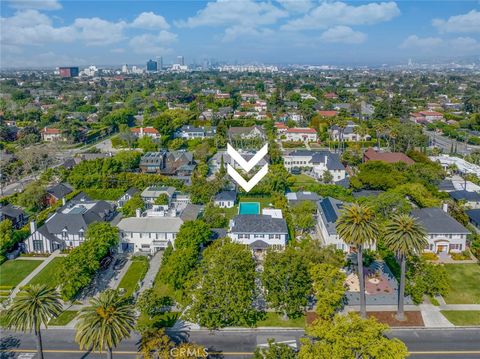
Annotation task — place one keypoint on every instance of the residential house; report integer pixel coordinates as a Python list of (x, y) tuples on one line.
[(470, 199), (426, 116), (56, 193), (258, 231), (349, 133), (150, 194), (52, 134), (315, 162), (151, 132), (389, 157), (14, 214), (294, 198), (191, 132), (474, 217), (225, 199), (246, 132), (445, 234), (128, 195), (168, 163), (303, 134), (327, 114), (66, 228)]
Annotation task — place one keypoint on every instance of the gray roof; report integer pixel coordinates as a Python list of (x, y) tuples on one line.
[(226, 196), (367, 193), (150, 224), (329, 209), (79, 217), (436, 221), (446, 185), (465, 196), (294, 197), (333, 159), (258, 223), (11, 211), (132, 191), (155, 191), (259, 244), (191, 212), (59, 190), (474, 215)]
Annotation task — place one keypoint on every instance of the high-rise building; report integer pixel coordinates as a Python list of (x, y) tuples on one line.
[(125, 69), (151, 66), (160, 63), (180, 60), (68, 71)]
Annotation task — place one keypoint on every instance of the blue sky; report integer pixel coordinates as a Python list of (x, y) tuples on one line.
[(55, 32)]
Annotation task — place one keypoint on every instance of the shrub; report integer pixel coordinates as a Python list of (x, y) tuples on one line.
[(430, 256)]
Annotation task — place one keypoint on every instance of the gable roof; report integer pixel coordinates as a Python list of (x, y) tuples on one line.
[(436, 221), (389, 157), (474, 215), (258, 223), (226, 196), (59, 190), (150, 224), (11, 211), (465, 195), (330, 209)]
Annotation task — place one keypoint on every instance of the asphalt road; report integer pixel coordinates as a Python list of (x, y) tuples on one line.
[(445, 143), (422, 343)]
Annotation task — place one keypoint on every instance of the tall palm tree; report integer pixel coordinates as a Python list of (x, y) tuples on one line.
[(104, 323), (357, 227), (404, 235), (33, 306)]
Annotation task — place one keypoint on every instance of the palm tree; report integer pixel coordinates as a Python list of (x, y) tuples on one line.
[(155, 344), (33, 306), (104, 323), (357, 227), (404, 235)]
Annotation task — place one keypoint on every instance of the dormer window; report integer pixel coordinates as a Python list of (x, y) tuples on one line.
[(81, 233), (64, 233)]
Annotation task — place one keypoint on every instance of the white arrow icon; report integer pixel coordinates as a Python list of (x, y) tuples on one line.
[(247, 166)]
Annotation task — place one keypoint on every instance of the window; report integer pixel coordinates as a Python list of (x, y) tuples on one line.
[(37, 245)]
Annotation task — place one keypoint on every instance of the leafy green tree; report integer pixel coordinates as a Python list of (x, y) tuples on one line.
[(105, 322), (350, 336), (287, 282), (329, 289), (33, 307), (130, 207), (223, 290), (147, 144), (357, 227), (193, 233), (6, 235), (162, 199), (178, 267), (155, 344), (214, 216), (32, 197), (404, 236), (327, 177), (313, 252), (303, 215), (275, 351)]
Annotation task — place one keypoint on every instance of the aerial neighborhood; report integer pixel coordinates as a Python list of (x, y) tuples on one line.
[(118, 184)]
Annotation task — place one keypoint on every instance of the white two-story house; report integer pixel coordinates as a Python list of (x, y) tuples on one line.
[(259, 231), (315, 162)]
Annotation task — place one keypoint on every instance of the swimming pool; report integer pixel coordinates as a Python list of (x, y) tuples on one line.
[(249, 208)]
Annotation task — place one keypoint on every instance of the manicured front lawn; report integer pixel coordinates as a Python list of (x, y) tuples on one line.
[(14, 271), (302, 180), (464, 279), (50, 274), (164, 320), (276, 320), (64, 318), (460, 317), (134, 275)]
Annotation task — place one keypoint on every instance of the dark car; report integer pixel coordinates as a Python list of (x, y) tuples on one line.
[(106, 262), (119, 263)]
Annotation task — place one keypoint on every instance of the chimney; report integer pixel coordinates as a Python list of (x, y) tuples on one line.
[(64, 201), (326, 159), (138, 213), (445, 207), (33, 227)]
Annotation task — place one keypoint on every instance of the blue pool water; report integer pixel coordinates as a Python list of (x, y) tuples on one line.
[(249, 208)]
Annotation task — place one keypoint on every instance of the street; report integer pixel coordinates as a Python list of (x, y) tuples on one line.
[(445, 144), (422, 343)]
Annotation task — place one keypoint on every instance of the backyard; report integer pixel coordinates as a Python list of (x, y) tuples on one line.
[(464, 284), (264, 203), (134, 275), (49, 275), (12, 272)]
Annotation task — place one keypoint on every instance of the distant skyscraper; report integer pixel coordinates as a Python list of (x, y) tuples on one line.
[(151, 66), (160, 63), (180, 60), (125, 69), (68, 71)]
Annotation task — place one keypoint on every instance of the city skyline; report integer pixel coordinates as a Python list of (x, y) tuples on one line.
[(46, 33)]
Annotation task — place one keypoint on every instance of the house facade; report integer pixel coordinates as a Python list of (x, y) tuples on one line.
[(445, 234), (52, 134), (316, 162), (349, 133), (225, 199), (14, 214), (191, 132), (304, 134), (141, 132)]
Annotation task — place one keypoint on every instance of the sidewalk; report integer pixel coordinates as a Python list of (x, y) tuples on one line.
[(37, 270), (155, 263)]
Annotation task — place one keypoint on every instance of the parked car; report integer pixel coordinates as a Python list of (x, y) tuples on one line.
[(119, 263), (106, 262)]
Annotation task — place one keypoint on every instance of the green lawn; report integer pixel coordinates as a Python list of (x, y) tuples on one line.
[(165, 320), (264, 203), (14, 271), (302, 180), (460, 317), (276, 320), (464, 279), (134, 275), (64, 318), (49, 274)]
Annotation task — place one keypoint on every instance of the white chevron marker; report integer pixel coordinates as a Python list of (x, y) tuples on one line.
[(247, 185), (247, 165)]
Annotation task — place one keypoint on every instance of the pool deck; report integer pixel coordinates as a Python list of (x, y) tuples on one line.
[(249, 208)]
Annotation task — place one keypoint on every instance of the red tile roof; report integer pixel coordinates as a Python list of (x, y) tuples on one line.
[(51, 131), (389, 157), (328, 113), (145, 130), (301, 130)]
